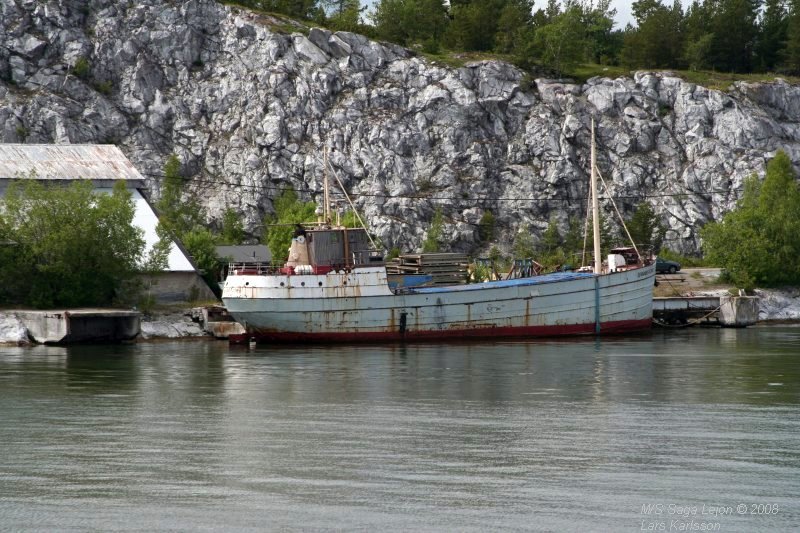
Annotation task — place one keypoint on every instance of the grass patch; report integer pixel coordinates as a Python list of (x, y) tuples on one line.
[(583, 72), (81, 68), (104, 87), (460, 59), (722, 81), (277, 22)]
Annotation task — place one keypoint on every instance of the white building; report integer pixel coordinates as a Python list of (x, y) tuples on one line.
[(104, 165)]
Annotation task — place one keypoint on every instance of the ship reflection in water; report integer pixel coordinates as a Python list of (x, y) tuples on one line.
[(572, 435)]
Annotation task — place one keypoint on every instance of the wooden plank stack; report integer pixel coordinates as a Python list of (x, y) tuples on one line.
[(446, 268)]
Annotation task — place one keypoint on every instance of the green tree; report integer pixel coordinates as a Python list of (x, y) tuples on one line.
[(561, 44), (288, 210), (344, 15), (733, 24), (179, 214), (486, 226), (608, 238), (183, 218), (698, 36), (513, 27), (408, 22), (791, 52), (758, 243), (232, 228), (645, 227), (474, 25), (602, 44), (75, 247), (523, 246), (550, 250), (573, 238), (657, 41), (433, 239), (201, 244), (350, 220), (772, 34)]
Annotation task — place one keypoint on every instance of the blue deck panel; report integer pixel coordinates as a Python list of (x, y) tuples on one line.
[(520, 282)]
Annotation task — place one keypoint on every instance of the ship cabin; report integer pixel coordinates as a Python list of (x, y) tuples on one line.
[(319, 250), (322, 250)]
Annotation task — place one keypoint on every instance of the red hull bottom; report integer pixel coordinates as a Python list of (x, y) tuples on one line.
[(608, 328)]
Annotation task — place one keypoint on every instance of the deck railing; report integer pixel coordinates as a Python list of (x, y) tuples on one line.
[(253, 269)]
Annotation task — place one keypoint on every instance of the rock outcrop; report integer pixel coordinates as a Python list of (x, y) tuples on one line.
[(249, 107), (12, 330)]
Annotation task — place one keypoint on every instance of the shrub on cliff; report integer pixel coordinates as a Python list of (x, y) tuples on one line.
[(758, 243)]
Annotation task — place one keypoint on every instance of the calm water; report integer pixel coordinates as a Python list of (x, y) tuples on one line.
[(541, 436)]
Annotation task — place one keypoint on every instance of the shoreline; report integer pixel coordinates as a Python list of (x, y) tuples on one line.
[(776, 307)]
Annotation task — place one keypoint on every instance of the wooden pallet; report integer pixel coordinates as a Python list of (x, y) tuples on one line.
[(446, 269)]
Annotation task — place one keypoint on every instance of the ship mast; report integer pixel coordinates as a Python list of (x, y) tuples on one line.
[(326, 208), (598, 261)]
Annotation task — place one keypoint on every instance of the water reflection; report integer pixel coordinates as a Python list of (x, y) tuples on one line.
[(547, 435)]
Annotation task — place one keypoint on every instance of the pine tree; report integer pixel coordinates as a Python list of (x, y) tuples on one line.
[(772, 33), (791, 53)]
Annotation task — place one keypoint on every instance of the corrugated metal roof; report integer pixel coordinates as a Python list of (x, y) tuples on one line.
[(94, 162)]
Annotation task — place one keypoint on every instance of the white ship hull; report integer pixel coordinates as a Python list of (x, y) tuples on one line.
[(359, 306)]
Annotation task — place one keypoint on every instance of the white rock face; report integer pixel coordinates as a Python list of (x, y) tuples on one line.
[(779, 305), (170, 327), (11, 330), (249, 110)]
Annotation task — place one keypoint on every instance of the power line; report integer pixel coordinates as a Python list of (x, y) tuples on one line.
[(423, 196)]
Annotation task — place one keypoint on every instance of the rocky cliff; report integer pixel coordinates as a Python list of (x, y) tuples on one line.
[(249, 102)]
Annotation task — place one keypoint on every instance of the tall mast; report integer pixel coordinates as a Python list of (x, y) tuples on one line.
[(326, 209), (598, 261)]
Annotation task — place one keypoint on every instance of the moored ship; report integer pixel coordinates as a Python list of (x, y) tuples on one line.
[(335, 288)]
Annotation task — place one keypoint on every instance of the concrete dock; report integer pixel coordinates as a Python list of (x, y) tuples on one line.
[(726, 311), (81, 325)]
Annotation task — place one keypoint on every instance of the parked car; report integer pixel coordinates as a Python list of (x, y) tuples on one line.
[(664, 266)]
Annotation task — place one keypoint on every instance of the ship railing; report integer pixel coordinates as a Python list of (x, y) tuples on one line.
[(253, 268), (368, 258)]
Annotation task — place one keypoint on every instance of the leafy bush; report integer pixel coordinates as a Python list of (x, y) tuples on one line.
[(71, 248), (104, 87), (645, 227), (486, 226), (758, 243), (81, 67), (433, 238), (289, 210)]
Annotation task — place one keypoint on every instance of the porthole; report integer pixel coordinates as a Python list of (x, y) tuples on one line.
[(320, 284), (282, 284), (247, 283), (303, 283)]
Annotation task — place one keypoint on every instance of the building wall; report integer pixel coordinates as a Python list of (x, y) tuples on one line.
[(177, 287)]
